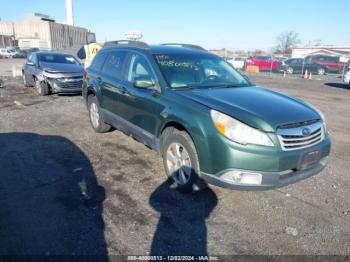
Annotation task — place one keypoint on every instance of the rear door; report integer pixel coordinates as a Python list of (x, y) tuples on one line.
[(111, 80)]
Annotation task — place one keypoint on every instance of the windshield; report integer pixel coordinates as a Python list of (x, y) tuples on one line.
[(57, 58), (198, 70)]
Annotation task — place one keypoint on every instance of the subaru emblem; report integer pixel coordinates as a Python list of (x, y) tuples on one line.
[(306, 131)]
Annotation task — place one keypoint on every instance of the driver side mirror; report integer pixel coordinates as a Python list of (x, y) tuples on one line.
[(144, 82), (30, 63)]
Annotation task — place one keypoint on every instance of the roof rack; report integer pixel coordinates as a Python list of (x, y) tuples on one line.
[(187, 45), (127, 43)]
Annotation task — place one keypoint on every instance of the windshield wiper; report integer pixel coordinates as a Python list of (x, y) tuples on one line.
[(194, 86)]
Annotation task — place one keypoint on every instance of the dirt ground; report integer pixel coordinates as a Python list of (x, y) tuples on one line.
[(67, 190)]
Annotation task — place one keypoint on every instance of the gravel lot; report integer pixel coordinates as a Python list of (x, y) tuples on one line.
[(67, 190)]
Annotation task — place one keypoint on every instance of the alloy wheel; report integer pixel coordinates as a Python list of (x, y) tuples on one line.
[(94, 115), (179, 163), (321, 71)]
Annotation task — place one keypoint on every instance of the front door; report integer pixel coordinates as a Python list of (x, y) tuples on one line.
[(141, 107)]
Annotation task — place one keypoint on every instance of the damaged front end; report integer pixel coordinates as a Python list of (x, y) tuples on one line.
[(62, 82)]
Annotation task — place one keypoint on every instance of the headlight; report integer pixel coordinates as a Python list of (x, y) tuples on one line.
[(239, 132)]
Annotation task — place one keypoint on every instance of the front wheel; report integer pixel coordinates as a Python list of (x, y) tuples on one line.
[(180, 160), (42, 87)]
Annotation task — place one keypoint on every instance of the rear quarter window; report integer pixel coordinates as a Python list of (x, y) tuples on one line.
[(113, 66), (98, 61)]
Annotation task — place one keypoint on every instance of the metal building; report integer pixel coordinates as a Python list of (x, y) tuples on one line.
[(39, 31)]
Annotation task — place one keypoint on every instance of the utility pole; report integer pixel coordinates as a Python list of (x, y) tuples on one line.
[(13, 38), (69, 12)]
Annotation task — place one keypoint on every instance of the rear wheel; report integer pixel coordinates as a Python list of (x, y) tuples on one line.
[(180, 160), (321, 71), (290, 70), (95, 116), (25, 83)]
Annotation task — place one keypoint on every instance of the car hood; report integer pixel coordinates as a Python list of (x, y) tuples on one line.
[(61, 68), (255, 106)]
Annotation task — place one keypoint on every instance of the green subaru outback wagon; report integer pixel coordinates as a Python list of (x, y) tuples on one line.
[(206, 120)]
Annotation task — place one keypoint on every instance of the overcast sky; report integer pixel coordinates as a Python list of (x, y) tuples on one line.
[(236, 24)]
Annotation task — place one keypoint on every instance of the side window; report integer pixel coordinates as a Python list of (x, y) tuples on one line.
[(98, 61), (30, 58), (139, 67), (333, 59), (114, 64), (33, 59)]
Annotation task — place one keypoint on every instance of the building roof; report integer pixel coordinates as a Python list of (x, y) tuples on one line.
[(323, 47)]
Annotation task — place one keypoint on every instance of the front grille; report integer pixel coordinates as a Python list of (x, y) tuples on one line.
[(69, 83), (301, 137)]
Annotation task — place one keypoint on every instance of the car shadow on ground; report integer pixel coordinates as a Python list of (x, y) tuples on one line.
[(338, 85), (181, 229), (67, 94), (50, 201)]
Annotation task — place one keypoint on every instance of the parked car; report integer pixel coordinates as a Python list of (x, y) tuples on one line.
[(237, 62), (265, 63), (5, 53), (53, 72), (206, 120), (17, 52), (347, 78), (298, 65), (329, 64)]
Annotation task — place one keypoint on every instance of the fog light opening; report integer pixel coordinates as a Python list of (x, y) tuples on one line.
[(242, 177), (324, 161)]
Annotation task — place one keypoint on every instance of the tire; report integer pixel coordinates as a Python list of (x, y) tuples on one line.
[(185, 175), (42, 88), (290, 70), (95, 116), (321, 71), (25, 83)]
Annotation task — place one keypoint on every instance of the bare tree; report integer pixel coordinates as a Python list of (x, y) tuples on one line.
[(286, 41)]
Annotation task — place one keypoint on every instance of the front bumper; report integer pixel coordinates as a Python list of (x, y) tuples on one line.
[(270, 180), (276, 168), (66, 87)]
